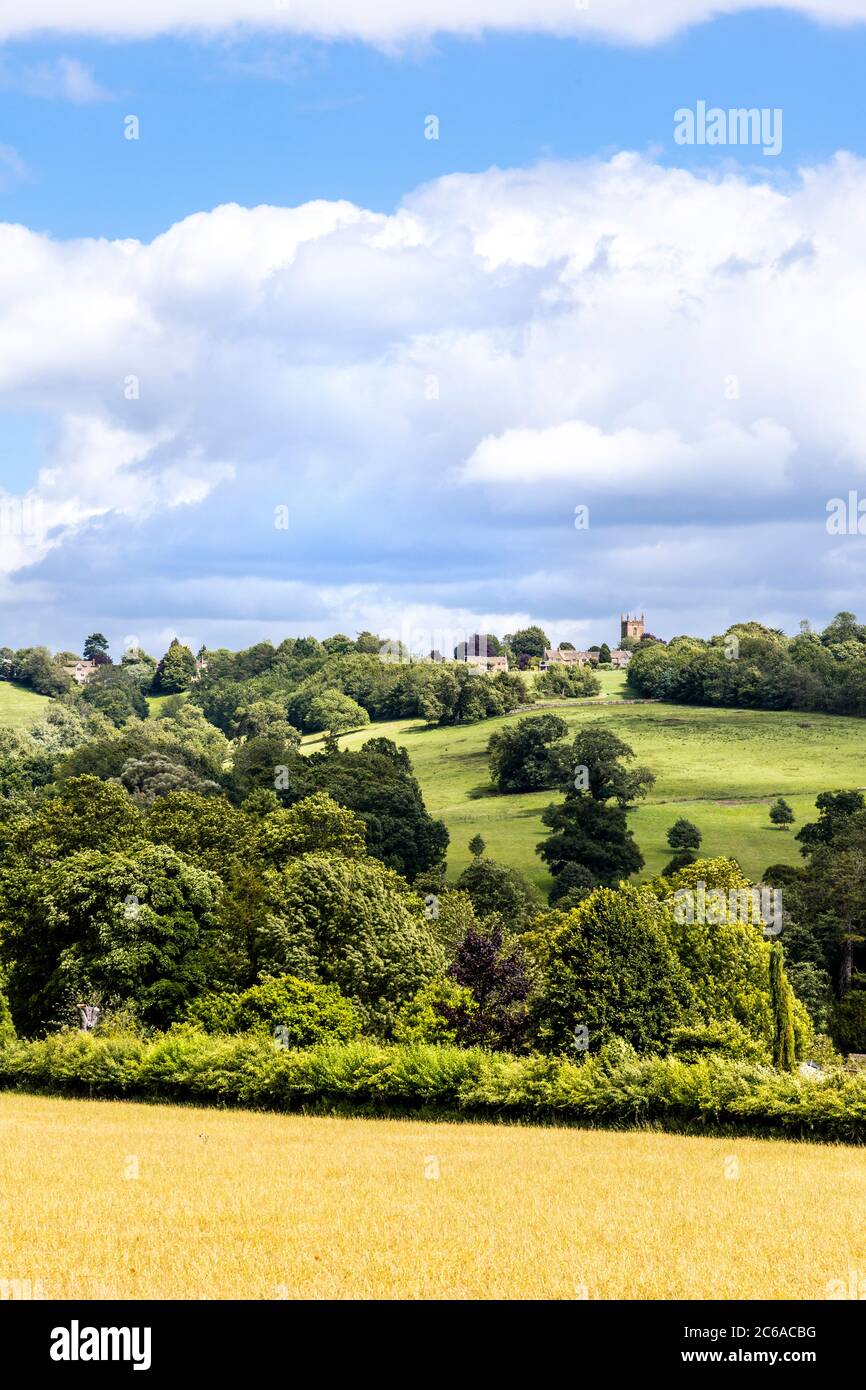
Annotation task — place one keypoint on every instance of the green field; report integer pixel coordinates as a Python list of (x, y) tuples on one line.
[(155, 703), (20, 708), (719, 768)]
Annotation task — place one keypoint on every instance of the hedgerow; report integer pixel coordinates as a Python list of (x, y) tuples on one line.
[(613, 1088)]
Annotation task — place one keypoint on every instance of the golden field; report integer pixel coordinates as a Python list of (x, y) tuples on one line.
[(124, 1200)]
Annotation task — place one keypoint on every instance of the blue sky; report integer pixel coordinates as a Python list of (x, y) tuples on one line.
[(264, 120), (430, 372)]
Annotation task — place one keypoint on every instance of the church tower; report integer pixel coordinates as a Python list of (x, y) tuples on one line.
[(631, 627)]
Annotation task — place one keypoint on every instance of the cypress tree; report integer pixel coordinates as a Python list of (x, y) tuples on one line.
[(782, 998)]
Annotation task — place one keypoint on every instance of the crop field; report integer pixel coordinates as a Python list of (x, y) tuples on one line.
[(20, 708), (719, 768), (121, 1200)]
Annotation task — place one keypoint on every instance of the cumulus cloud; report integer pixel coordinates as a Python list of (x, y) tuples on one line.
[(429, 395), (387, 22)]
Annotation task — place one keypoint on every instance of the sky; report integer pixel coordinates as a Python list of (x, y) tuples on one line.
[(420, 316)]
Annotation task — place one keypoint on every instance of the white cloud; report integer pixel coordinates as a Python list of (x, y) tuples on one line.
[(60, 79), (395, 21), (431, 394), (632, 462), (12, 167)]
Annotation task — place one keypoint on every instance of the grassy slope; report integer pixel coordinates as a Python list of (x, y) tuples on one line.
[(720, 768), (21, 708), (123, 1200)]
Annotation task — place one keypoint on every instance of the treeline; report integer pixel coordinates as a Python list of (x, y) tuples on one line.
[(752, 666)]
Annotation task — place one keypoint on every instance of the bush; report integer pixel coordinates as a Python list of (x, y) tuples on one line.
[(437, 1014), (306, 1014), (616, 1088), (695, 1040)]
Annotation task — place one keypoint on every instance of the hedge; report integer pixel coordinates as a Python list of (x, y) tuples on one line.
[(614, 1090)]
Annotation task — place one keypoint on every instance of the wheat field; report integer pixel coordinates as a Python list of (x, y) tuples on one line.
[(122, 1200)]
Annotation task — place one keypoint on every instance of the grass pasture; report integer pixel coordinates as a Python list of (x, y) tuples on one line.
[(719, 768), (124, 1200), (20, 708)]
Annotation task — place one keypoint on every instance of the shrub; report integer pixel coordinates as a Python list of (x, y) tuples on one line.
[(306, 1014), (438, 1013), (691, 1041), (616, 1088)]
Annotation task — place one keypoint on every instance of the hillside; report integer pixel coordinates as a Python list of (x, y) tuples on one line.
[(20, 708), (719, 768)]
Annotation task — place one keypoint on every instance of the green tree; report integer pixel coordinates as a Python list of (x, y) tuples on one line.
[(607, 967), (781, 813), (529, 642), (176, 671), (598, 761), (684, 834), (604, 655), (355, 924), (336, 713), (96, 648), (318, 824), (497, 889), (129, 930), (568, 682), (590, 833), (529, 755), (784, 1057), (477, 846), (154, 776)]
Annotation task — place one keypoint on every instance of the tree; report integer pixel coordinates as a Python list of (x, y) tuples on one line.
[(36, 667), (529, 755), (529, 642), (176, 671), (129, 930), (784, 1058), (781, 813), (495, 971), (336, 713), (829, 903), (355, 924), (154, 776), (602, 754), (96, 649), (318, 824), (574, 883), (140, 666), (568, 682), (607, 967), (384, 795), (87, 814), (495, 888), (262, 762), (590, 833), (477, 846), (604, 655), (834, 811), (684, 834), (115, 692)]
